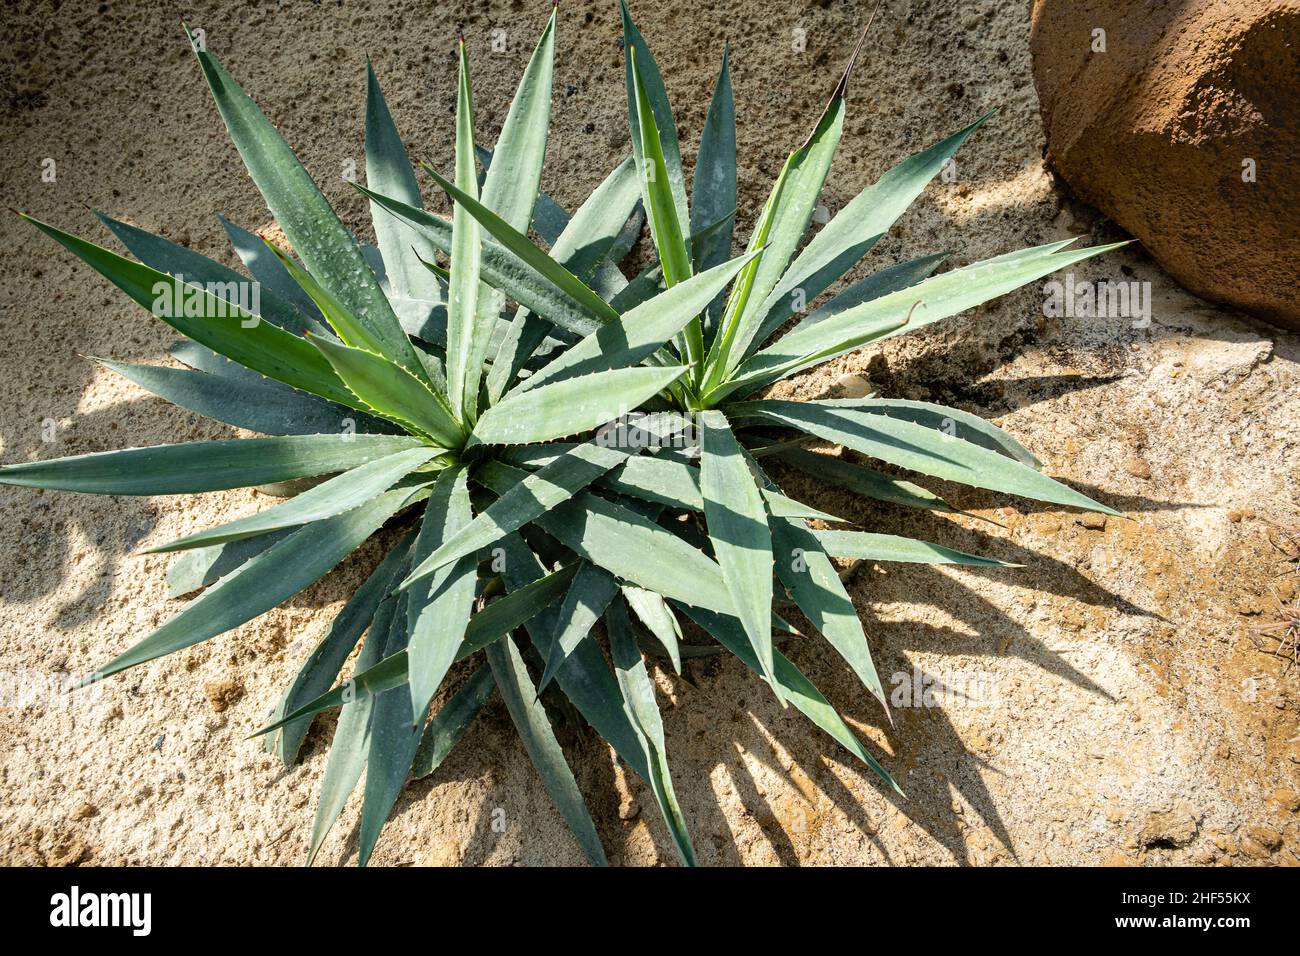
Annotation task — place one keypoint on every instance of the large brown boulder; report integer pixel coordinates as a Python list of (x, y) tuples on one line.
[(1181, 122)]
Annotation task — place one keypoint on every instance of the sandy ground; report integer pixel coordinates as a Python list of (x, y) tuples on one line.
[(1106, 704)]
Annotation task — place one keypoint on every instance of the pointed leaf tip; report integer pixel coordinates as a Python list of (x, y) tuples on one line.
[(842, 87)]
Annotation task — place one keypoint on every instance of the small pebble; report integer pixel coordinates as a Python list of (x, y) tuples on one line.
[(1138, 468)]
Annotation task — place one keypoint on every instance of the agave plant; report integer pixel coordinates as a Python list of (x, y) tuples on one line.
[(572, 460)]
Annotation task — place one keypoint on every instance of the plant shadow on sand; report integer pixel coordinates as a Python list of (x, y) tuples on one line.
[(113, 527)]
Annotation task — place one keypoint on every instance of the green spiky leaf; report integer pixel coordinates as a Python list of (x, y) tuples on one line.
[(392, 392), (571, 405)]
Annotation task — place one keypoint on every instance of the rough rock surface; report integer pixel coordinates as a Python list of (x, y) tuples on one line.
[(1110, 680), (1181, 122)]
